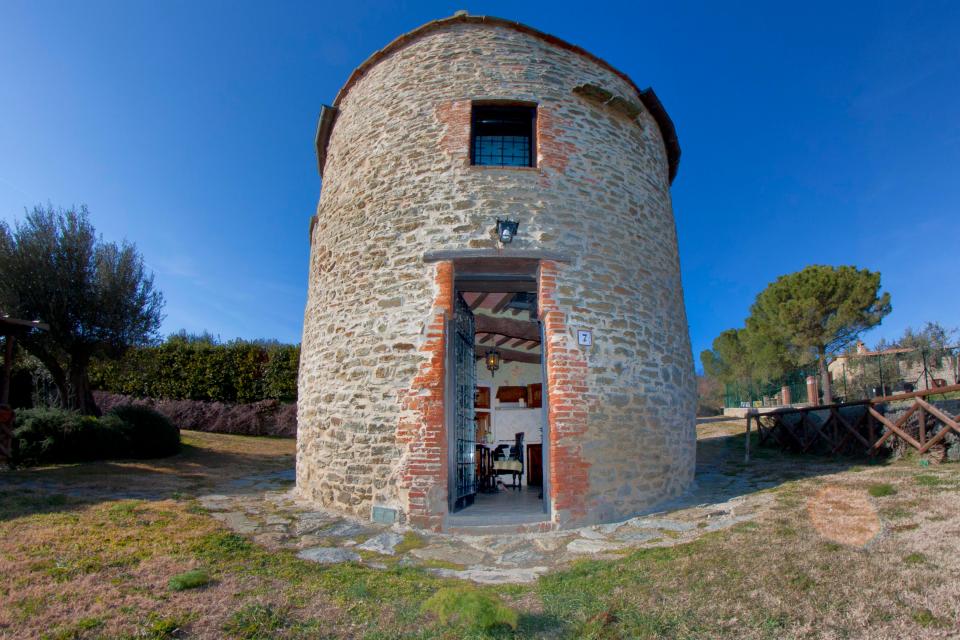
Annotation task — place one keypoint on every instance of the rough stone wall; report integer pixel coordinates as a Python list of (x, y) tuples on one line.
[(398, 183), (421, 433)]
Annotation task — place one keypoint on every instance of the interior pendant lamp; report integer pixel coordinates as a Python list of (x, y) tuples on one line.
[(492, 361)]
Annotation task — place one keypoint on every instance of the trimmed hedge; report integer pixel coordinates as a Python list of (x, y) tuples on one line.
[(201, 369), (48, 436), (264, 418)]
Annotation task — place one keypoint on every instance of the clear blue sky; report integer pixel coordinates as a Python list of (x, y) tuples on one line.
[(823, 133)]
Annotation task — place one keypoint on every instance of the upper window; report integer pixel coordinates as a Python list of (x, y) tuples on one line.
[(502, 136)]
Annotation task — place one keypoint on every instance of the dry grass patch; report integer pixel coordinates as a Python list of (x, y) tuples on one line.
[(100, 567)]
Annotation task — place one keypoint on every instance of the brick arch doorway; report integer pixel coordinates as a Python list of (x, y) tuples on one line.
[(514, 284)]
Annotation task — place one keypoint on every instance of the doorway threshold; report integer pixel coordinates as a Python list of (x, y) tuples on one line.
[(508, 507)]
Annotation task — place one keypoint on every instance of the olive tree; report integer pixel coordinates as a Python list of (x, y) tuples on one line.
[(96, 296)]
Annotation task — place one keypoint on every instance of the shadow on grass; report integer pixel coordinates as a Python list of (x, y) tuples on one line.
[(18, 503), (722, 473), (194, 471)]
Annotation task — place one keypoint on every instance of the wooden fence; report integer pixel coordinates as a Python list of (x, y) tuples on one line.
[(858, 428)]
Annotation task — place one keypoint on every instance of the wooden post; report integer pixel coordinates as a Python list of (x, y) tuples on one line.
[(746, 444), (922, 418)]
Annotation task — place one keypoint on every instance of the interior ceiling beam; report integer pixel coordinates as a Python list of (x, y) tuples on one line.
[(519, 340), (478, 300), (514, 356), (496, 286), (503, 341), (500, 306), (508, 327)]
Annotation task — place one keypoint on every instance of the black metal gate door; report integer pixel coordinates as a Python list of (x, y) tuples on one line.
[(465, 382)]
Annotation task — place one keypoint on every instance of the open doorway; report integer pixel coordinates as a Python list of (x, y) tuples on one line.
[(499, 436)]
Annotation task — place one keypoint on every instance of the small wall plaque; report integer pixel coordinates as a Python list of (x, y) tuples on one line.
[(385, 515), (584, 337)]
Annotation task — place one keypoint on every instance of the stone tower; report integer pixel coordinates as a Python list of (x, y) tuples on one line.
[(407, 219)]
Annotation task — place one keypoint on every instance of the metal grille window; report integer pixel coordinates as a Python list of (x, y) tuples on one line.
[(502, 136)]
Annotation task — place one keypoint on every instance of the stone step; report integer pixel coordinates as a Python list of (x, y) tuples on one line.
[(499, 529)]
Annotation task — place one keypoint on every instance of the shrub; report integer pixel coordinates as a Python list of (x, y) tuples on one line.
[(50, 436), (471, 608), (54, 435), (189, 580), (150, 433)]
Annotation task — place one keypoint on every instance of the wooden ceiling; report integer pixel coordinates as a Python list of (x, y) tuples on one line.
[(509, 329)]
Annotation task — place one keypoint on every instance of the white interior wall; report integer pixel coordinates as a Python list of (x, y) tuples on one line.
[(509, 419)]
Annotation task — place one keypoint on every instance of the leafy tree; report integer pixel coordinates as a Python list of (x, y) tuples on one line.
[(95, 295), (740, 356), (817, 312), (931, 345), (729, 360)]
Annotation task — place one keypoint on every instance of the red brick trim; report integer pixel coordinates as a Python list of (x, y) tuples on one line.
[(422, 433), (552, 152), (455, 117), (567, 414)]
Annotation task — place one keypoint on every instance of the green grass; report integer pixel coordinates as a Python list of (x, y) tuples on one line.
[(926, 618), (189, 580), (74, 631), (927, 480), (471, 608), (802, 582), (255, 622), (897, 513), (767, 579), (881, 489), (410, 542), (157, 627), (17, 503), (125, 512), (222, 546)]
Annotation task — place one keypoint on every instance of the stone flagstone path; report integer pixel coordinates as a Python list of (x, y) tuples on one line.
[(726, 493)]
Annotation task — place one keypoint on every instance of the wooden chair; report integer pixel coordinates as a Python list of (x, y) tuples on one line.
[(514, 456), (486, 479)]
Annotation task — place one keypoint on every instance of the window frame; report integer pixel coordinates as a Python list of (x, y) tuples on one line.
[(528, 108)]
